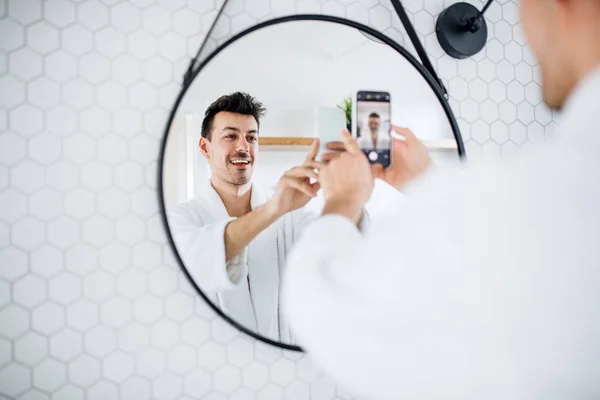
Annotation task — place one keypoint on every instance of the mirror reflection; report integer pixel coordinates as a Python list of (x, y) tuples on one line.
[(240, 172)]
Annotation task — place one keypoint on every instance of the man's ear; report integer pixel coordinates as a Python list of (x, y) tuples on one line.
[(204, 146)]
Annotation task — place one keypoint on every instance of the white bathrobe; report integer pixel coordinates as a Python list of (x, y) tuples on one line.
[(247, 287), (485, 285)]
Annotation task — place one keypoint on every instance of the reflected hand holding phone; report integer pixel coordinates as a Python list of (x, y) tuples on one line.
[(373, 126)]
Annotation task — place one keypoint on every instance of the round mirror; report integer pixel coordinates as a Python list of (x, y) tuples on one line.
[(252, 113)]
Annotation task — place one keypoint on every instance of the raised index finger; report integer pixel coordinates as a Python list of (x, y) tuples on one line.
[(350, 143), (312, 153)]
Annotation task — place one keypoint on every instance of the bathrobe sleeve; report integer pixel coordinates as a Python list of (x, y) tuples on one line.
[(202, 249), (452, 296)]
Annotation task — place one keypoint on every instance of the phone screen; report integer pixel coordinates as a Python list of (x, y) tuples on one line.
[(373, 126)]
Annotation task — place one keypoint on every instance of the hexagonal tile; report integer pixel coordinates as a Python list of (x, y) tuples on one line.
[(163, 281), (480, 132), (136, 387), (144, 203), (488, 111), (143, 96), (223, 332), (525, 113), (9, 84), (19, 378), (116, 312), (110, 42), (147, 309), (4, 295), (186, 22), (266, 353), (458, 89), (182, 359), (96, 175), (128, 122), (111, 95), (61, 66), (48, 318), (63, 232), (62, 175), (158, 71), (43, 37), (516, 93), (478, 90), (131, 283), (99, 285), (486, 70), (25, 64), (12, 148), (29, 291), (4, 177), (66, 345), (536, 133), (28, 233), (503, 32), (198, 384), (100, 341), (45, 148), (491, 149), (306, 370), (43, 93), (543, 114), (103, 390), (118, 366), (115, 257), (81, 259), (510, 12), (93, 14), (141, 44), (125, 17), (112, 149), (134, 337), (82, 315), (98, 230), (94, 68), (167, 386), (46, 261), (79, 148), (469, 110), (211, 356), (505, 71), (13, 35), (227, 379), (517, 132), (165, 334), (508, 112), (156, 19), (195, 331), (84, 371), (494, 50), (150, 363), (14, 263), (68, 392), (448, 67), (300, 390), (126, 69), (271, 391), (499, 132), (523, 73), (179, 306), (61, 120), (80, 203), (513, 52), (64, 288), (77, 40), (255, 375), (27, 176), (59, 13), (78, 94), (31, 349), (533, 93), (172, 46), (23, 12), (283, 372)]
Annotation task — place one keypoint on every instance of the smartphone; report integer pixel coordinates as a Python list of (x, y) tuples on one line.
[(330, 122), (373, 126)]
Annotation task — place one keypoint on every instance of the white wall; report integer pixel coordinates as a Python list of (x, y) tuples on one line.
[(92, 302)]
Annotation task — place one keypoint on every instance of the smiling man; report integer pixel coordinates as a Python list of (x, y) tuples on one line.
[(234, 237)]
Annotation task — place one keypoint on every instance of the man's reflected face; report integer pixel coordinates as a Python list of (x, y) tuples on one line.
[(232, 147), (374, 123)]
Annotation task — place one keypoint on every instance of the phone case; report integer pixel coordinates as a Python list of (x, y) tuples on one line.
[(330, 122)]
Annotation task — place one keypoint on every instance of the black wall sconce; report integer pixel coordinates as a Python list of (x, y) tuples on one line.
[(462, 30)]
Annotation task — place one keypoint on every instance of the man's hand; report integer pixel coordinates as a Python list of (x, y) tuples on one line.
[(410, 159), (294, 189), (346, 181)]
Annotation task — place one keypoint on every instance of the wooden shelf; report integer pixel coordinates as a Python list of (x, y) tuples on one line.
[(303, 143)]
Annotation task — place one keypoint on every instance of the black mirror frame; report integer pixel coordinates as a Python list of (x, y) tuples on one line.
[(193, 73)]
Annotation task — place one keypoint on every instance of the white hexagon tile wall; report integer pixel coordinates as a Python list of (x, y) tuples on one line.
[(92, 303)]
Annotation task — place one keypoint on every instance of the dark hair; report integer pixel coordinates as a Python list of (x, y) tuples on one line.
[(373, 115), (238, 102)]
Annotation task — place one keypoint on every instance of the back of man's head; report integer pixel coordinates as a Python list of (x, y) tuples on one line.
[(238, 103), (564, 36)]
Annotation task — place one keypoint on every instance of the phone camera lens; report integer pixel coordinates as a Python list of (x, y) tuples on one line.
[(387, 97)]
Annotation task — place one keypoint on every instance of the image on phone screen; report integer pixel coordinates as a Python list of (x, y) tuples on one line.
[(373, 126)]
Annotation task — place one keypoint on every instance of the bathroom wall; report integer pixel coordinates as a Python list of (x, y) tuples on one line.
[(92, 303)]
